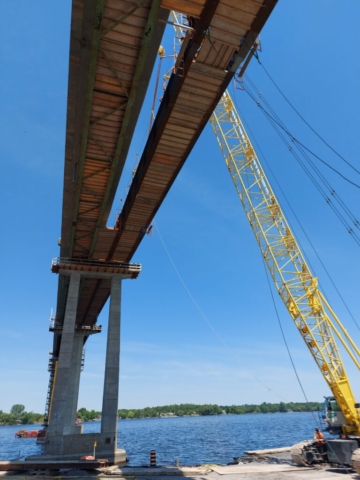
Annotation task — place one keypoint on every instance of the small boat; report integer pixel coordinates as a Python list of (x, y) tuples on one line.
[(29, 433)]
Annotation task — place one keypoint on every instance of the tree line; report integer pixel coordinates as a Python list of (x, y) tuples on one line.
[(18, 415), (186, 409)]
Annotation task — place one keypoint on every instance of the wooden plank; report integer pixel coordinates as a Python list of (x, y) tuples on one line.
[(161, 168), (119, 62), (177, 136), (103, 69), (156, 176), (129, 49), (100, 128), (114, 13), (189, 8), (122, 49), (112, 121), (107, 100), (196, 77), (114, 114), (111, 83), (185, 109), (208, 70), (198, 101), (235, 15), (249, 7), (209, 55), (226, 37), (180, 130), (165, 159), (125, 32), (197, 90)]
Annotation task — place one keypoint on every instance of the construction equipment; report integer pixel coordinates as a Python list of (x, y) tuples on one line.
[(298, 288), (296, 285)]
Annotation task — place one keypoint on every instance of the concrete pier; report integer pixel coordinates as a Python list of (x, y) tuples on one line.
[(109, 423), (64, 439), (66, 387)]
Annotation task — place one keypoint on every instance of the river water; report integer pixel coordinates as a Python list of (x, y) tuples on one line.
[(192, 440)]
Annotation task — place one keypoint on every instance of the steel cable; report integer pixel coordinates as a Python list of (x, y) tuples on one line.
[(296, 218), (277, 125)]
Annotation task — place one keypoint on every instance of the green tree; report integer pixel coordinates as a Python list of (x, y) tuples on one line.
[(17, 411), (82, 414), (30, 418)]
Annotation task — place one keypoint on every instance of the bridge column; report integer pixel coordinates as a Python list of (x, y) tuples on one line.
[(109, 421), (66, 388), (74, 385)]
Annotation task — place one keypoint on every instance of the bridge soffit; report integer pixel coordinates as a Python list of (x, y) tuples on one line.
[(107, 86)]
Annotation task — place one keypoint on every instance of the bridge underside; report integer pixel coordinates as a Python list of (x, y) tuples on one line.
[(113, 47), (111, 61)]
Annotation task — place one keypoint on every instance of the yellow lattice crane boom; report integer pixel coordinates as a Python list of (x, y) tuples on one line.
[(298, 288), (294, 281)]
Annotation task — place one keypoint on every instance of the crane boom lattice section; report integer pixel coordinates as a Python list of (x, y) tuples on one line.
[(293, 279)]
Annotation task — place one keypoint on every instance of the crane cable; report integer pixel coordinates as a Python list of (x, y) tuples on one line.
[(301, 148), (296, 218), (284, 338), (217, 334), (303, 119), (275, 125), (312, 178), (202, 314), (315, 181), (290, 135)]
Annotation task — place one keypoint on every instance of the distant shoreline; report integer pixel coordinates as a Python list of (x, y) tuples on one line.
[(170, 411)]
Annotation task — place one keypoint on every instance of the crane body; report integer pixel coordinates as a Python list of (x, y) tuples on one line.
[(297, 286)]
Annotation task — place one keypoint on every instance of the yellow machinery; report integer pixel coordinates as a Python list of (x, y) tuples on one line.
[(296, 285)]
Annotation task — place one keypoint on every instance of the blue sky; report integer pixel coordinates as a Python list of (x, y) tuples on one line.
[(169, 353)]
